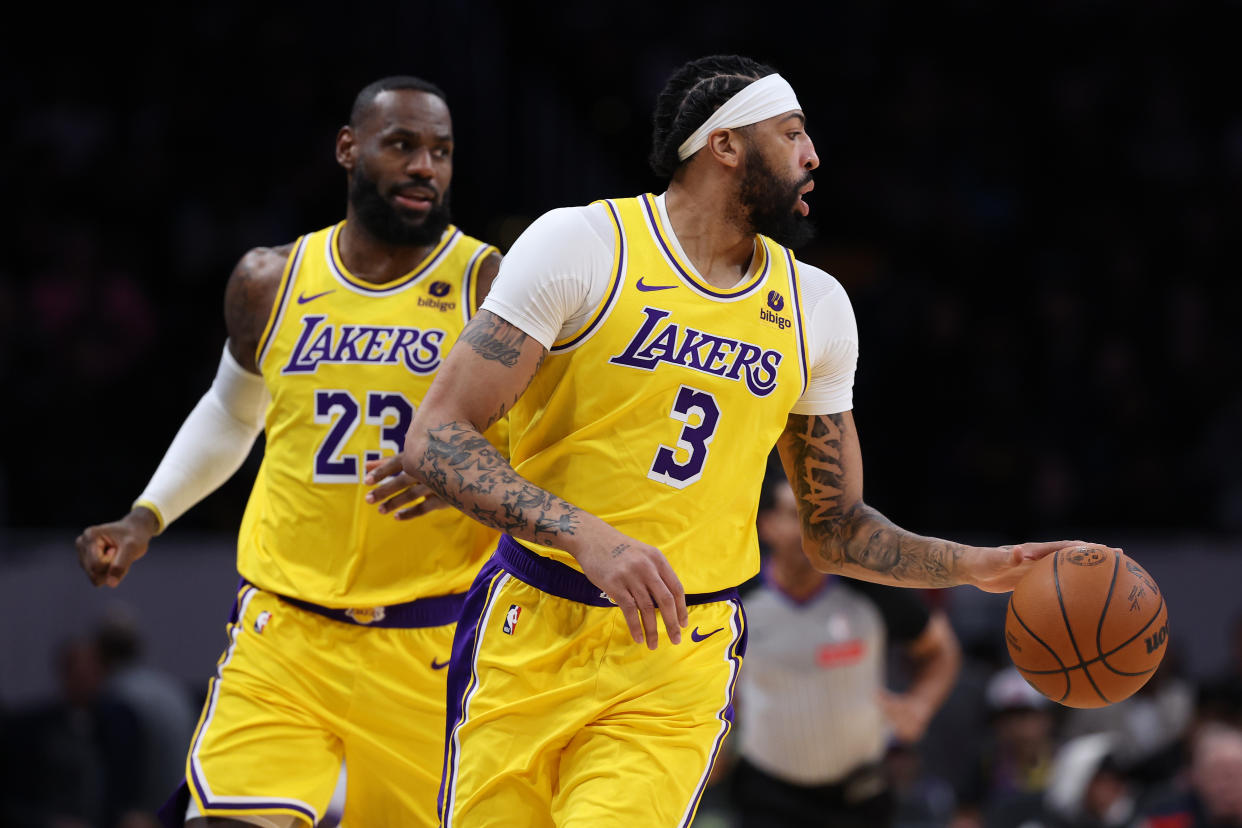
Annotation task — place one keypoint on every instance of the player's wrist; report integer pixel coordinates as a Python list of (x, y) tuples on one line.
[(145, 519)]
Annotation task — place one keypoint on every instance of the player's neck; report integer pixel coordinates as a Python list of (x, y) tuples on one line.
[(720, 250), (375, 261)]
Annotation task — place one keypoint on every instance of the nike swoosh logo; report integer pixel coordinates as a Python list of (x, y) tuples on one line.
[(639, 284), (435, 665), (695, 635), (303, 298)]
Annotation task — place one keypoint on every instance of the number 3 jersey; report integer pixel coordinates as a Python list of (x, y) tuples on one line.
[(346, 362), (662, 395)]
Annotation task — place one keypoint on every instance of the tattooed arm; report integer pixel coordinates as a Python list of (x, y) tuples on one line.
[(485, 373), (842, 534)]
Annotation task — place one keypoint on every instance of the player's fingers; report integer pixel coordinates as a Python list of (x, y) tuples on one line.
[(668, 609), (384, 468), (389, 487), (647, 611), (119, 566), (94, 552), (629, 610), (676, 590), (428, 504), (399, 499)]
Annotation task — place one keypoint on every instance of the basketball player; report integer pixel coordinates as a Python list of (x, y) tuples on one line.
[(815, 715), (650, 351), (344, 617)]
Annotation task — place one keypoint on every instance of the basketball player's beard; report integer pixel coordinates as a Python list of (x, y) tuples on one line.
[(770, 203), (383, 221)]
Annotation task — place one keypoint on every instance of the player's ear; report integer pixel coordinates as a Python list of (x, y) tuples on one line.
[(725, 145), (346, 148)]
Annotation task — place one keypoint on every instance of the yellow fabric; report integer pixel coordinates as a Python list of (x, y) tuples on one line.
[(346, 362), (569, 723), (659, 416), (295, 692)]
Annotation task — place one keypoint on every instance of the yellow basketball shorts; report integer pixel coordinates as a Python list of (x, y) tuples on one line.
[(297, 693), (558, 718)]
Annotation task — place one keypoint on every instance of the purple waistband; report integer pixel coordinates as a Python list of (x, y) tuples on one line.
[(555, 578), (421, 612)]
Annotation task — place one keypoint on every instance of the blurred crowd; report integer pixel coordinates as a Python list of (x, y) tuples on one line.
[(110, 748), (1034, 230)]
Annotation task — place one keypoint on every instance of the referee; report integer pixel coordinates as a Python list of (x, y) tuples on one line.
[(814, 716)]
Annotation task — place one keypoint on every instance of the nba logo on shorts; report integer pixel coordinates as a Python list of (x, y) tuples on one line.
[(511, 618), (261, 622)]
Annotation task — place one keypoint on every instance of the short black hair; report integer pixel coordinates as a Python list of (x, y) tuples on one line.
[(689, 98), (371, 91)]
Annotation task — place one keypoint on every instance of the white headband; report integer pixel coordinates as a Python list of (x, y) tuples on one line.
[(758, 101)]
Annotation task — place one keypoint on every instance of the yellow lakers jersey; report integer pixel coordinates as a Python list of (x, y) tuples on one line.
[(659, 415), (346, 362)]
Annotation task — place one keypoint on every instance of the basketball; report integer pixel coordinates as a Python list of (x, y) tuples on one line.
[(1086, 627)]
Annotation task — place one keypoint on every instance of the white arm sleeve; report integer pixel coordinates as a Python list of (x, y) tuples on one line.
[(832, 339), (212, 444), (555, 274)]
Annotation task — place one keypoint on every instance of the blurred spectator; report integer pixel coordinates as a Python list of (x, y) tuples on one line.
[(165, 712), (1221, 696), (1015, 759), (1210, 795), (1087, 787), (1148, 729), (814, 714), (71, 762)]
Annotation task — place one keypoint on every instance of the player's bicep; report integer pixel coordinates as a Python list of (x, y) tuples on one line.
[(249, 298), (823, 462), (485, 373)]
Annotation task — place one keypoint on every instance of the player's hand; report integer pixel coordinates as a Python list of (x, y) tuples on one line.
[(106, 552), (640, 581), (909, 715), (396, 488), (1000, 568)]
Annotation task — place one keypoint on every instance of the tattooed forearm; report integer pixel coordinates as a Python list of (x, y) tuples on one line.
[(465, 470), (846, 534), (494, 339)]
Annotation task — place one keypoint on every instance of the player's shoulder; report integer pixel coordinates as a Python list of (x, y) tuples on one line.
[(567, 233), (263, 264), (816, 279)]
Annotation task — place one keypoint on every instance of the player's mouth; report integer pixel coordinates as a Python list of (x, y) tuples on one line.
[(803, 207), (415, 198)]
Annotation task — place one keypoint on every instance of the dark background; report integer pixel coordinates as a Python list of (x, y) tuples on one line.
[(1035, 218)]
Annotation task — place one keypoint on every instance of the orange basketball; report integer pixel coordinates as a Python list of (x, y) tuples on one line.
[(1086, 627)]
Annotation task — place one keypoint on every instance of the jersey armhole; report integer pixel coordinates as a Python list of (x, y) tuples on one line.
[(614, 285), (278, 307), (470, 300), (795, 290)]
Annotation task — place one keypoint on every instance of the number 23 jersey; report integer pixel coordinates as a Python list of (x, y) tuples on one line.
[(662, 395), (346, 362)]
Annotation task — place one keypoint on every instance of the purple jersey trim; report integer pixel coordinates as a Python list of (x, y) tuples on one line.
[(735, 653), (421, 612), (801, 328), (690, 279), (278, 314), (617, 278), (250, 805), (461, 677), (400, 283), (555, 578)]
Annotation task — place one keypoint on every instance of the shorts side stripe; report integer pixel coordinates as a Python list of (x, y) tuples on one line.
[(459, 711), (207, 802), (733, 655)]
